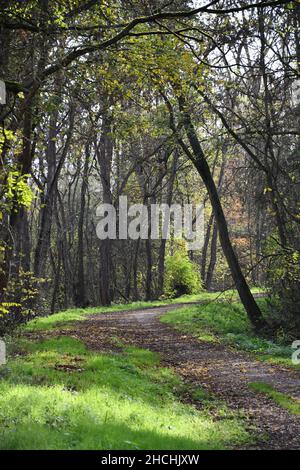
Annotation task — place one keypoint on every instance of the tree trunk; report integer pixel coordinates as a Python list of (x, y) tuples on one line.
[(104, 152), (205, 249), (214, 239), (14, 244), (200, 163), (162, 248), (148, 286), (213, 257), (80, 298)]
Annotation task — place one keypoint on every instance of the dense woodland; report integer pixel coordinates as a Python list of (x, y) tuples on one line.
[(164, 102)]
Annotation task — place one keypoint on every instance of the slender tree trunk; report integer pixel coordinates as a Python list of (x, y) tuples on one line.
[(213, 257), (135, 270), (162, 248), (43, 242), (205, 249), (148, 286), (54, 168), (127, 277), (268, 145), (80, 287), (56, 270), (104, 152), (214, 239), (63, 248)]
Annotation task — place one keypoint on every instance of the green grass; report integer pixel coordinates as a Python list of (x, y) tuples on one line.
[(59, 395), (228, 323), (78, 314), (287, 402)]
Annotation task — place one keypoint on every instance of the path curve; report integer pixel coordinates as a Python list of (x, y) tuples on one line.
[(219, 369)]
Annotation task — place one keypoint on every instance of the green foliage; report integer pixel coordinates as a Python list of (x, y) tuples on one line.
[(181, 275), (14, 186), (58, 395), (287, 402), (6, 306), (18, 189), (20, 295), (6, 136)]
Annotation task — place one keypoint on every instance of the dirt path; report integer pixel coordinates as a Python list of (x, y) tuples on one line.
[(224, 372)]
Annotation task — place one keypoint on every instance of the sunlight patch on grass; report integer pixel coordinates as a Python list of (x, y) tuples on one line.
[(62, 396)]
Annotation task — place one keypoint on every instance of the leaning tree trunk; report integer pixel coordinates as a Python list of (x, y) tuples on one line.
[(213, 258), (214, 239), (205, 249), (200, 163)]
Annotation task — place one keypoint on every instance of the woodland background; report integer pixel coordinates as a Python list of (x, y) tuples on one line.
[(165, 102)]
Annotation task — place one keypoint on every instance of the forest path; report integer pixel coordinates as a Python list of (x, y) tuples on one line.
[(220, 370)]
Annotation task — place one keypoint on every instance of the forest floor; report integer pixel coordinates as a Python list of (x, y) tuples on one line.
[(153, 377)]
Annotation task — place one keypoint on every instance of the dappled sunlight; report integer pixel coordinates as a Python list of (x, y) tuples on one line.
[(60, 396)]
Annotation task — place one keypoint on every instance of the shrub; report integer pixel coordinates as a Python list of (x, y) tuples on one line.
[(181, 276)]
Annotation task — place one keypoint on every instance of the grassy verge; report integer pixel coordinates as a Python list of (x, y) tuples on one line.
[(78, 314), (228, 323), (59, 395), (287, 402)]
